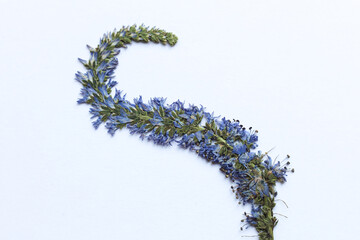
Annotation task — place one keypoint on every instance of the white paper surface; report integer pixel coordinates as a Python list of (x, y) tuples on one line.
[(287, 68)]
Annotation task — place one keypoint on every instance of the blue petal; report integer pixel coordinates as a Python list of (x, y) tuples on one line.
[(239, 148), (82, 61), (198, 135), (101, 77), (101, 66)]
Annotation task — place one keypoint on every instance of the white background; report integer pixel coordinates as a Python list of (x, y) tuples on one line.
[(288, 68)]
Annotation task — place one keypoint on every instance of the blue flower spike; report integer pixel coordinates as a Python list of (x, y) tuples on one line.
[(219, 141)]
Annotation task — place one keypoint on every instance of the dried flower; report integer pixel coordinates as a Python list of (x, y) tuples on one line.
[(219, 141)]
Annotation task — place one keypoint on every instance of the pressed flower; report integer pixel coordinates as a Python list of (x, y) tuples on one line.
[(219, 141)]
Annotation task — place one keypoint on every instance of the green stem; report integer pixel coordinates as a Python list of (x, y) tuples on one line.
[(266, 222)]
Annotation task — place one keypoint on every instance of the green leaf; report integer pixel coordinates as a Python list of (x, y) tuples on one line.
[(172, 132)]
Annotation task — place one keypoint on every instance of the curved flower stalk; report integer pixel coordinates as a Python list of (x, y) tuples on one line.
[(218, 140)]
